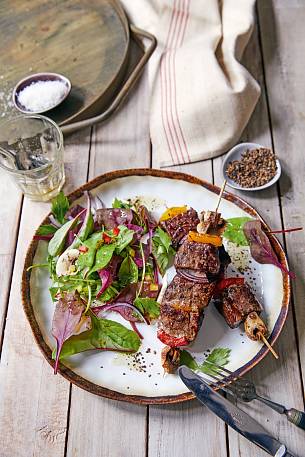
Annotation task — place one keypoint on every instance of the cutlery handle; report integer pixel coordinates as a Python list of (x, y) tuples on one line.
[(276, 406), (296, 417)]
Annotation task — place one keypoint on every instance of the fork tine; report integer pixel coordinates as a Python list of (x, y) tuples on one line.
[(226, 388)]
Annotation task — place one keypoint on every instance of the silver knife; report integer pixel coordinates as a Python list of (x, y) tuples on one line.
[(233, 416)]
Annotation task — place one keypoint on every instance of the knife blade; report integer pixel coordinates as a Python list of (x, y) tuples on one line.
[(240, 421)]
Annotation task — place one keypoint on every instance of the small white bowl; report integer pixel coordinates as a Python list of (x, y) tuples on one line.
[(235, 154), (35, 78)]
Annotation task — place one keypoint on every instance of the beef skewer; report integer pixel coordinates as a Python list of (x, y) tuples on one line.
[(237, 304), (200, 262)]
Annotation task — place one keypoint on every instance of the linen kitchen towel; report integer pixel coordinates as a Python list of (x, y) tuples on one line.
[(201, 96)]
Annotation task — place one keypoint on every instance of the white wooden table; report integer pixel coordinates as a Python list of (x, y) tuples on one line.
[(44, 416)]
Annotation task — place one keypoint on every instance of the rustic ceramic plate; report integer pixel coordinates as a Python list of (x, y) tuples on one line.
[(139, 378)]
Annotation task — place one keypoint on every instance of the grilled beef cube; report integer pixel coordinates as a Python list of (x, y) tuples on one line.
[(178, 227), (198, 256), (181, 311), (236, 302)]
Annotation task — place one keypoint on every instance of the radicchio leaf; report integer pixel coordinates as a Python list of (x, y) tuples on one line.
[(113, 217), (260, 247), (138, 230), (66, 319)]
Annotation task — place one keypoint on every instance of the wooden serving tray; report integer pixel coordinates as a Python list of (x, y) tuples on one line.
[(88, 41)]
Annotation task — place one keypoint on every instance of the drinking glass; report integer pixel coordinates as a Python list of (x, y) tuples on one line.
[(31, 151)]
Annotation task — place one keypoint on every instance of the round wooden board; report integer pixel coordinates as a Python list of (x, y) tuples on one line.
[(85, 40)]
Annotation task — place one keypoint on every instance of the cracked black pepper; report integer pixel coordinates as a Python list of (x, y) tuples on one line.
[(256, 168)]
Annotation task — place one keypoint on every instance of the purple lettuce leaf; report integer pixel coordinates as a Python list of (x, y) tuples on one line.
[(260, 246), (113, 217), (147, 218), (108, 274), (67, 316)]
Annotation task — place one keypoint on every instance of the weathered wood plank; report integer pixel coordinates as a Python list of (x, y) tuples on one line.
[(179, 430), (101, 427), (34, 403), (9, 225), (278, 380), (283, 53)]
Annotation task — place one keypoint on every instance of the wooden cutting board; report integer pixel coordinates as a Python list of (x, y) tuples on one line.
[(85, 40)]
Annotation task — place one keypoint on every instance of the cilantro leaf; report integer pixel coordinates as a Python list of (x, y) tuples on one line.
[(60, 206), (234, 230), (220, 356), (162, 249)]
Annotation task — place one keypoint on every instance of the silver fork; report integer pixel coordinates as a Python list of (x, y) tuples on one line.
[(245, 390)]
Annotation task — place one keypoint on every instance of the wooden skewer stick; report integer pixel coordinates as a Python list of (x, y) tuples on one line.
[(266, 342), (220, 194)]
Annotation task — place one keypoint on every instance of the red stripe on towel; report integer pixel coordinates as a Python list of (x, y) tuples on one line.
[(169, 111)]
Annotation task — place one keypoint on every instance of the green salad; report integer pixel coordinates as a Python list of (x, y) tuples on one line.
[(101, 260)]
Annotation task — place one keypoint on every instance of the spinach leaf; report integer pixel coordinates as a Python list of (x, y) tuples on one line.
[(104, 334), (128, 272), (60, 206), (57, 243), (162, 249), (234, 230), (108, 294), (124, 238), (46, 229), (102, 257), (220, 356), (117, 203), (148, 306), (86, 259), (86, 228)]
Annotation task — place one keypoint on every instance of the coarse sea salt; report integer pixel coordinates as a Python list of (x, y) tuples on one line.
[(42, 95)]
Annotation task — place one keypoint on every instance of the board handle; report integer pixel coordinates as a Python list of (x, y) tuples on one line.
[(129, 83)]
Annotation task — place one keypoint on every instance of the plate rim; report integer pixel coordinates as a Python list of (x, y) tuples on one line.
[(91, 387)]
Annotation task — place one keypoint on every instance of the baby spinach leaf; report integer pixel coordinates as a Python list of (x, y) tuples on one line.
[(57, 243), (86, 228), (235, 230), (148, 306), (46, 229), (104, 334), (128, 272), (162, 249), (124, 238), (60, 206), (102, 257)]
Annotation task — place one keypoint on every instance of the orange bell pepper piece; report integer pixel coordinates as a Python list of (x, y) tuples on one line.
[(205, 238), (172, 212)]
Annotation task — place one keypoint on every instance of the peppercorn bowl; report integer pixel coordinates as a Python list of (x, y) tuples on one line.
[(259, 165)]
